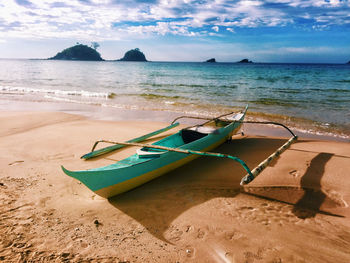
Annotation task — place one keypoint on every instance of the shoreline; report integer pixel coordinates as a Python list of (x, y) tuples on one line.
[(195, 213), (287, 93), (98, 112)]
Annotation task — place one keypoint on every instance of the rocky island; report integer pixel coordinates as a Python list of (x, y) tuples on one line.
[(134, 55), (212, 60), (245, 61), (78, 52)]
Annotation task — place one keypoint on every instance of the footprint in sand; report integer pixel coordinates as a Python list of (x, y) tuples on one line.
[(83, 244), (189, 228), (294, 173), (15, 163), (201, 234), (230, 235), (42, 201), (176, 235), (58, 156), (190, 251), (251, 256), (335, 199)]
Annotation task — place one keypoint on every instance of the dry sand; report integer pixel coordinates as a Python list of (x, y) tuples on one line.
[(295, 211)]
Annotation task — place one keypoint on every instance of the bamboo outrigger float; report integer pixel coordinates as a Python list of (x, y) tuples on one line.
[(154, 160)]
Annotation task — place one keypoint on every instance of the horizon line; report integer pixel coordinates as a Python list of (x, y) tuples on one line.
[(164, 61)]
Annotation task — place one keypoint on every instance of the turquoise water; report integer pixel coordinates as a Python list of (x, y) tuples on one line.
[(310, 97)]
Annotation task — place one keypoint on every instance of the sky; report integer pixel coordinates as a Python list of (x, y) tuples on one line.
[(306, 31)]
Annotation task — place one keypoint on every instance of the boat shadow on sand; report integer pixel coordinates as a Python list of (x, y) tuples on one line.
[(158, 203), (308, 197), (313, 196)]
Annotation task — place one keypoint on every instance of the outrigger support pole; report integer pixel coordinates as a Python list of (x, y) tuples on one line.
[(185, 151), (257, 170)]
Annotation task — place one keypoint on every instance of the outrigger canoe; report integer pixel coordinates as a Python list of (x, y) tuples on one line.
[(153, 160), (149, 163)]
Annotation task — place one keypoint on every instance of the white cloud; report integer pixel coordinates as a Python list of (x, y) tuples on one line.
[(215, 28), (298, 50), (95, 19)]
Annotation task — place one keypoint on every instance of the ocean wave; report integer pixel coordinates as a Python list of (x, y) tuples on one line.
[(228, 86), (274, 102), (166, 85), (61, 99), (298, 124), (170, 87), (343, 81), (157, 96), (274, 79), (289, 91), (304, 125), (330, 90), (260, 87), (81, 93)]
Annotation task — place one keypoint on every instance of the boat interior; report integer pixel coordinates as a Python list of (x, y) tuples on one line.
[(189, 134), (181, 138)]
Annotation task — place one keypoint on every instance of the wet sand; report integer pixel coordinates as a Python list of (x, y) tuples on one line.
[(295, 211)]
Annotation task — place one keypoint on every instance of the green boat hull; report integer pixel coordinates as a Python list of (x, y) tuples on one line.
[(135, 170)]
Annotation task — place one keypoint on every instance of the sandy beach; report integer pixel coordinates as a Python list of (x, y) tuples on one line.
[(297, 210)]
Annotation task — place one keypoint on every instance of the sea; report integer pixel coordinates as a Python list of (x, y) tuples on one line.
[(310, 98)]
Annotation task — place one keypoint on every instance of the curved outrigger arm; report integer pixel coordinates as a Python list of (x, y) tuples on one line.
[(201, 118), (272, 123), (208, 118)]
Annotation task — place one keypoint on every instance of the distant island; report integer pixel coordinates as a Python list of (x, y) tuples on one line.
[(212, 60), (78, 52), (245, 61), (134, 55), (348, 62)]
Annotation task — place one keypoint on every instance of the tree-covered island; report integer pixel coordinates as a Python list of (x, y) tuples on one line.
[(79, 52), (134, 55)]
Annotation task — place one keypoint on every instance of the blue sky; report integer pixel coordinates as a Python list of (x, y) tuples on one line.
[(180, 30)]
